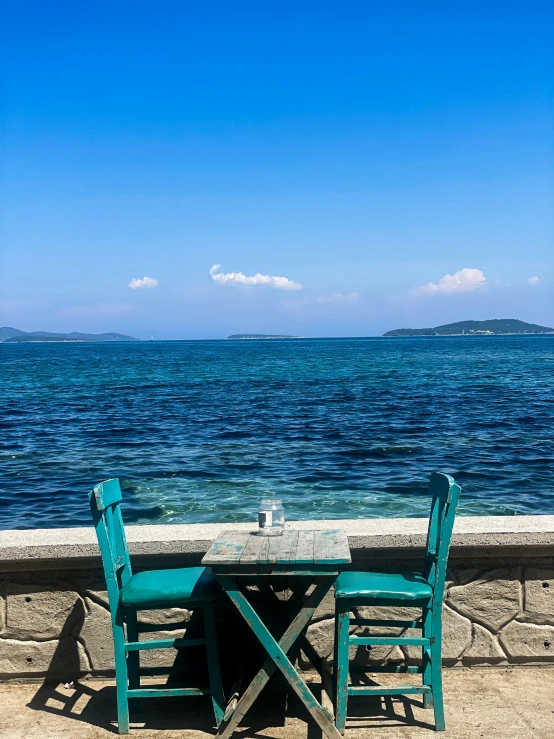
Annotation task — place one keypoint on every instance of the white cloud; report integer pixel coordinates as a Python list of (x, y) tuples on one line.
[(136, 283), (533, 280), (463, 281), (338, 298), (238, 278)]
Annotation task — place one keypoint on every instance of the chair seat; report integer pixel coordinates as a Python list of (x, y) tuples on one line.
[(160, 588), (369, 586)]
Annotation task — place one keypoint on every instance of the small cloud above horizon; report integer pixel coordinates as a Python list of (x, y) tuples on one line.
[(465, 280), (239, 279), (533, 280), (146, 282)]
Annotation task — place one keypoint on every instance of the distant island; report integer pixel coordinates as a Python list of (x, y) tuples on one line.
[(9, 335), (494, 327), (261, 336)]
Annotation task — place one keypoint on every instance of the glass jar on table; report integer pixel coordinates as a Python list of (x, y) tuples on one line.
[(271, 517)]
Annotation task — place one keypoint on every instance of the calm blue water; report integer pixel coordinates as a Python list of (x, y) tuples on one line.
[(338, 428)]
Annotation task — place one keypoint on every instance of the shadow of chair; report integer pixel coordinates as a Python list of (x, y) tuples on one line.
[(91, 701)]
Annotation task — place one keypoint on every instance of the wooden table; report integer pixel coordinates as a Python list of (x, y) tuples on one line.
[(309, 558)]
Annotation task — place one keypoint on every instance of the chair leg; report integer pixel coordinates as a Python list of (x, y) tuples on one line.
[(340, 672), (426, 657), (436, 668), (218, 697), (120, 673), (133, 658)]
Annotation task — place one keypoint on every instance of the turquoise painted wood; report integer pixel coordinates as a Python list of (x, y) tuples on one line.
[(424, 590), (191, 588)]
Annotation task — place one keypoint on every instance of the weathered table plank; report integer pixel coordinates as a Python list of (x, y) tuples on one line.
[(264, 549), (228, 547), (253, 550), (287, 550), (331, 547), (273, 548), (305, 548)]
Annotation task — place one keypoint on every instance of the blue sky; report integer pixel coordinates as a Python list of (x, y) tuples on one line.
[(362, 151)]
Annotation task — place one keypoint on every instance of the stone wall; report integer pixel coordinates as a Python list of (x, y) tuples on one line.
[(499, 602)]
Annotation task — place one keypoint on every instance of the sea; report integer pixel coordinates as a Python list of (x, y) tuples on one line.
[(200, 431)]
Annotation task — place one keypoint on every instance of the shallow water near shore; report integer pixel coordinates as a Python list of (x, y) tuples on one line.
[(199, 431)]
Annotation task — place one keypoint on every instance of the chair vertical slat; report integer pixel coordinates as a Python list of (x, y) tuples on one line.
[(112, 584), (340, 672), (433, 534), (122, 549), (110, 530), (448, 515), (133, 657), (426, 656), (121, 677)]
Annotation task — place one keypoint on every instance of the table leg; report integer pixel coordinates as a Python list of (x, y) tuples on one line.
[(231, 722), (278, 657)]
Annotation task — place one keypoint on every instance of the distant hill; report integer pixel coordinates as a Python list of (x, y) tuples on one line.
[(495, 326), (261, 336), (6, 332), (15, 336)]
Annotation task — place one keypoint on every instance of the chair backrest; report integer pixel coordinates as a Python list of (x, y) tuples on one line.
[(444, 499), (106, 514)]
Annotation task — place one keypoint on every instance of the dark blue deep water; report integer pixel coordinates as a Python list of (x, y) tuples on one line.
[(338, 428)]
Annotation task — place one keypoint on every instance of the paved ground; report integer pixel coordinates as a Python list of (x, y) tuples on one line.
[(496, 704)]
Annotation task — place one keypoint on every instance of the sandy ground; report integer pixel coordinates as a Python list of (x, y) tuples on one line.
[(496, 704)]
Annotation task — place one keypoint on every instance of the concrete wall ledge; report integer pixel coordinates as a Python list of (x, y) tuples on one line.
[(496, 534)]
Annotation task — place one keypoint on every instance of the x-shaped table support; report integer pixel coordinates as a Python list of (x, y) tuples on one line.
[(277, 653)]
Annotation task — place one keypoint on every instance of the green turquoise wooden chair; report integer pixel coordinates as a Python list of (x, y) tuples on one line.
[(423, 590), (192, 588)]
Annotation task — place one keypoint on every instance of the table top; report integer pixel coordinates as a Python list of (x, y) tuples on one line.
[(292, 549)]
